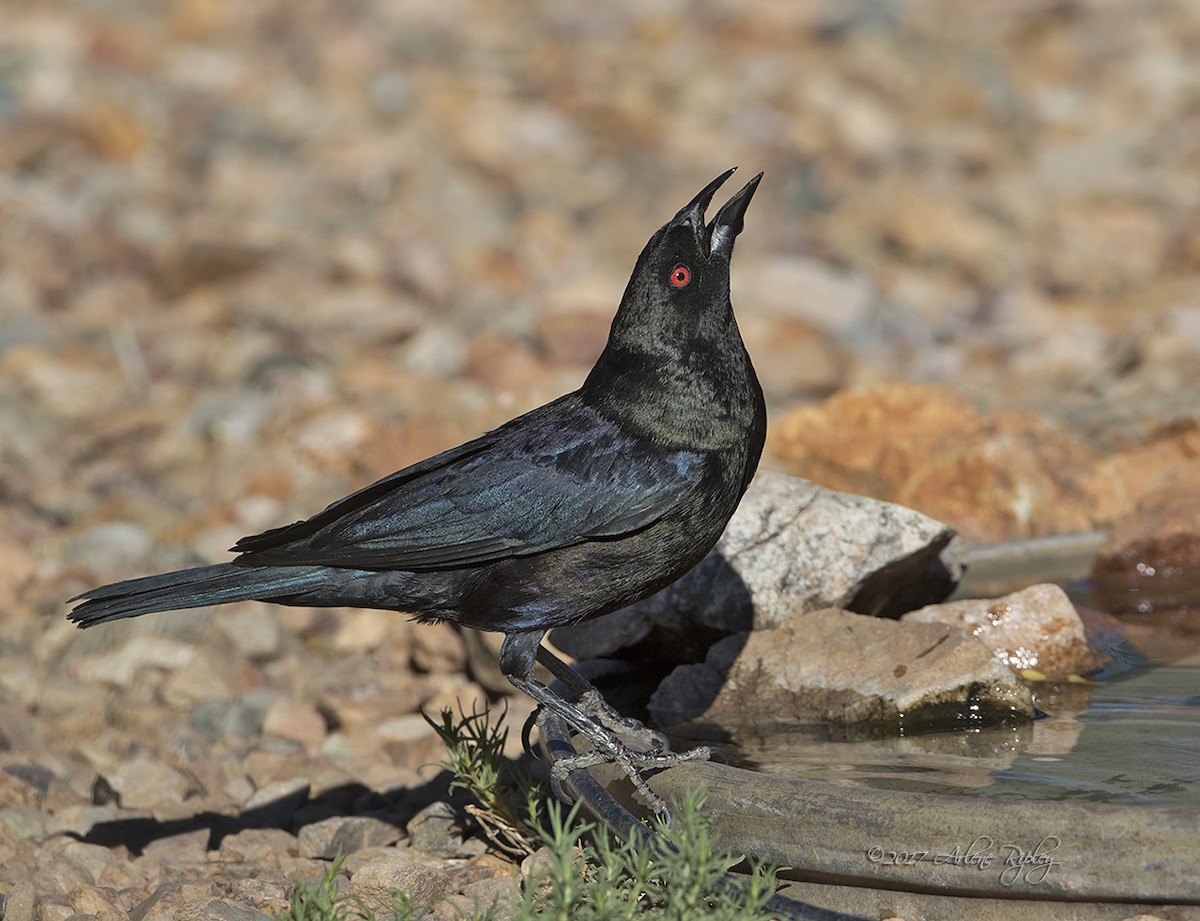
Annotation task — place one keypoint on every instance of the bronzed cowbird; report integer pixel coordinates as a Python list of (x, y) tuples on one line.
[(572, 510)]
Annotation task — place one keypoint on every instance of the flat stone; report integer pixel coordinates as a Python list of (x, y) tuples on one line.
[(834, 666), (119, 666), (231, 719), (277, 800), (436, 830), (297, 720), (173, 900), (266, 847)]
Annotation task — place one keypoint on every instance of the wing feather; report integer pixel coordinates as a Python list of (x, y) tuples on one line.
[(557, 476)]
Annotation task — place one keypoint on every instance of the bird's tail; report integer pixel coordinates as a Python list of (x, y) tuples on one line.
[(191, 588)]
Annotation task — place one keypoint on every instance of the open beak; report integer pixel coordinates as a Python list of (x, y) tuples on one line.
[(728, 223), (718, 236)]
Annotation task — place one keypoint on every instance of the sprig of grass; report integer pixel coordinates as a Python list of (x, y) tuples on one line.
[(681, 877), (507, 800), (318, 901)]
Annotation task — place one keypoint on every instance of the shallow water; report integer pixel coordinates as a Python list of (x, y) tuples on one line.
[(1131, 735)]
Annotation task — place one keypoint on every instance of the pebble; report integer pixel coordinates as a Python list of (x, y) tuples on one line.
[(374, 882), (345, 835), (436, 830), (296, 720), (231, 719)]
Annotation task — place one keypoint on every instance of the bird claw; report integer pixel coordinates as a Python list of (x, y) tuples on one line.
[(633, 763), (594, 705)]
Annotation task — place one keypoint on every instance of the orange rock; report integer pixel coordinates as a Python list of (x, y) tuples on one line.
[(1167, 461), (1151, 558), (996, 478)]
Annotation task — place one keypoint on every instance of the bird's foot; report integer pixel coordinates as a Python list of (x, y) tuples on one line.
[(633, 763), (594, 705)]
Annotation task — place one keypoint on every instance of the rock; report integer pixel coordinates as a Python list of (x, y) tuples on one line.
[(362, 631), (1150, 559), (410, 741), (93, 900), (92, 859), (173, 900), (225, 910), (187, 847), (113, 547), (791, 546), (144, 783), (121, 665), (436, 830), (273, 804), (438, 648), (1145, 475), (997, 477), (232, 719), (345, 834), (24, 821), (839, 667), (1036, 632), (20, 903), (253, 630), (374, 883), (297, 720), (264, 847), (500, 896)]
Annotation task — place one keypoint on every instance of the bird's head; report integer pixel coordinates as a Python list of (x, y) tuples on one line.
[(674, 343), (679, 289)]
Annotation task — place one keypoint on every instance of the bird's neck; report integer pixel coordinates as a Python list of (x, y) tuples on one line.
[(702, 394)]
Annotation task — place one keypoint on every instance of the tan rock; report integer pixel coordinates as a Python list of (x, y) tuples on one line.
[(297, 720), (375, 882), (993, 478), (145, 783), (1036, 632), (839, 667)]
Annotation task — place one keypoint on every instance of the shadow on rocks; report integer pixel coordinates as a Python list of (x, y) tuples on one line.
[(290, 810)]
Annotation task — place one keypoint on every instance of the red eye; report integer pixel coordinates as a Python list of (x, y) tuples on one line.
[(680, 276)]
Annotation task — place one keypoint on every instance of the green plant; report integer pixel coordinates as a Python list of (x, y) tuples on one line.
[(318, 901), (678, 877), (508, 802)]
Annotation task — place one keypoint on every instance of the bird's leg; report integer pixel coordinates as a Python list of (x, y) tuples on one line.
[(591, 702), (517, 657)]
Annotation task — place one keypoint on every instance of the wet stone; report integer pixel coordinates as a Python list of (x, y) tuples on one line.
[(1036, 632), (834, 666)]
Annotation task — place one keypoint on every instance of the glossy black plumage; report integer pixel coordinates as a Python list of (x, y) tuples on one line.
[(572, 510)]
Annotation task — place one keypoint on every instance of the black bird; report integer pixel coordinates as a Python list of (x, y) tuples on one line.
[(572, 510)]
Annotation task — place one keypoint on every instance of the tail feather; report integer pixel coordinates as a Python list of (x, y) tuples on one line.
[(191, 588)]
